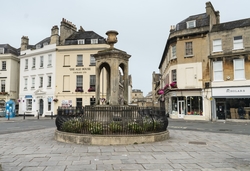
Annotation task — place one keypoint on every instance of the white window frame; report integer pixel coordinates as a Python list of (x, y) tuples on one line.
[(40, 81), (1, 50), (79, 81), (191, 24), (217, 45), (3, 85), (187, 49), (26, 64), (28, 104), (94, 41), (41, 61), (4, 65), (173, 52), (34, 62), (33, 83), (25, 83), (92, 60), (239, 69), (174, 75), (79, 61), (81, 41), (217, 69), (238, 42), (49, 81), (49, 60)]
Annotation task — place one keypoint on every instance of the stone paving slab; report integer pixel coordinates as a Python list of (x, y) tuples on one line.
[(183, 151)]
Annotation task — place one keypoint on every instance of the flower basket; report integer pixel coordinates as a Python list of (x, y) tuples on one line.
[(161, 91), (55, 100), (166, 86), (78, 90), (173, 84), (91, 89)]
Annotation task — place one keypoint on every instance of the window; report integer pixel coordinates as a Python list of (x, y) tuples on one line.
[(33, 83), (189, 48), (33, 62), (49, 81), (41, 61), (41, 82), (238, 42), (49, 103), (94, 41), (239, 70), (79, 60), (217, 45), (28, 104), (78, 102), (173, 51), (49, 60), (92, 60), (79, 83), (2, 85), (26, 63), (81, 42), (191, 24), (194, 105), (25, 83), (92, 82), (38, 46), (218, 71), (66, 60), (174, 79), (45, 43), (1, 50), (3, 65)]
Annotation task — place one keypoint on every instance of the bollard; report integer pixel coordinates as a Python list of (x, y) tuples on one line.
[(37, 115), (24, 115), (8, 116), (51, 115)]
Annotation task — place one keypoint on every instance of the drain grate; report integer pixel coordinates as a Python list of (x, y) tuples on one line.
[(197, 142), (225, 130)]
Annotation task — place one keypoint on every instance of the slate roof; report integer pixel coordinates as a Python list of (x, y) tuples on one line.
[(231, 25), (201, 21), (46, 40), (9, 49), (87, 35)]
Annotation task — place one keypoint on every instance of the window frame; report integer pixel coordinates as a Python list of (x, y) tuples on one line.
[(173, 52), (40, 81), (79, 82), (3, 85), (49, 60), (4, 65), (236, 70), (1, 50), (41, 61), (217, 46), (28, 104), (193, 25), (25, 83), (79, 60), (189, 49), (33, 81), (218, 70), (94, 41), (26, 64), (81, 41), (49, 80), (238, 44), (34, 62), (92, 60)]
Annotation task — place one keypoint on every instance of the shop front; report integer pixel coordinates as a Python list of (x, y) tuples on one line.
[(186, 105), (231, 103)]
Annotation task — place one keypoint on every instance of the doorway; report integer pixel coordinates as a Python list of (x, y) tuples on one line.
[(41, 106), (181, 108), (221, 110)]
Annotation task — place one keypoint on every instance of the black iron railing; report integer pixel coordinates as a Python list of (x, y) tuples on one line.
[(108, 120)]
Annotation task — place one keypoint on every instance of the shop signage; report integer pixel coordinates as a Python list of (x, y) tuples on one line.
[(79, 70), (241, 91)]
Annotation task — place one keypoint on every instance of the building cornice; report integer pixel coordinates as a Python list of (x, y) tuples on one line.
[(34, 53)]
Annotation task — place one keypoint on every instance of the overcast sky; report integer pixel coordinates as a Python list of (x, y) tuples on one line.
[(143, 25)]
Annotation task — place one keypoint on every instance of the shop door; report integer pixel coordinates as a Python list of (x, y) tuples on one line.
[(41, 106), (181, 108), (220, 110)]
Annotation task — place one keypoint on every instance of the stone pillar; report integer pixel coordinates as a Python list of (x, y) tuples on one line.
[(97, 88)]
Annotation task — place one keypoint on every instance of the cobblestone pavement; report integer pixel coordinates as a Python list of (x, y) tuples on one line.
[(183, 151)]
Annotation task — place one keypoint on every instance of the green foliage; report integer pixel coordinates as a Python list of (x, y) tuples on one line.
[(73, 126), (95, 127), (135, 127), (115, 127)]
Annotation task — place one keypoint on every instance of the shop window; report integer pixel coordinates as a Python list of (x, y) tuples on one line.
[(174, 104), (28, 104), (194, 105)]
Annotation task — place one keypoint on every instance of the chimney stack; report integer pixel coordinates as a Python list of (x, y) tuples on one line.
[(24, 43), (54, 38), (66, 29)]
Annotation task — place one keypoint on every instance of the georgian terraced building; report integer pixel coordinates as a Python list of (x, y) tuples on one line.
[(205, 68), (59, 70)]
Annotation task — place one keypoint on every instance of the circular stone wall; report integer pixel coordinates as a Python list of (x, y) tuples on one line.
[(110, 139)]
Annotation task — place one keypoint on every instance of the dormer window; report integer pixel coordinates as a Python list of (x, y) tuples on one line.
[(94, 41), (1, 50), (191, 24), (38, 46), (81, 41), (45, 43)]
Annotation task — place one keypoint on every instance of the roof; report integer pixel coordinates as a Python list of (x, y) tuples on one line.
[(87, 35), (201, 21), (9, 49), (46, 40), (231, 25)]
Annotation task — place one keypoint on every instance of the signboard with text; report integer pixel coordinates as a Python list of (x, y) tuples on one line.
[(231, 91)]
